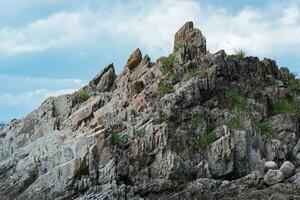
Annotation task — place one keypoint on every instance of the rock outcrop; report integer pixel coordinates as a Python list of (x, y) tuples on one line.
[(134, 60), (193, 125)]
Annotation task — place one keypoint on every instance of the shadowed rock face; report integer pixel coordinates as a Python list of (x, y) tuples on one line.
[(204, 128)]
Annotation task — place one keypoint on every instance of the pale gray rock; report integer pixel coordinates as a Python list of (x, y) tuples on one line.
[(287, 168), (273, 177), (270, 165)]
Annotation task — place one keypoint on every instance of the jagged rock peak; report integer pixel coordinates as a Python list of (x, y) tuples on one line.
[(103, 82), (134, 59), (190, 40)]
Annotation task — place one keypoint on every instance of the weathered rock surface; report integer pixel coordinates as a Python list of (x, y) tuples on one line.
[(204, 129), (273, 176), (189, 43), (270, 165), (134, 59), (287, 168)]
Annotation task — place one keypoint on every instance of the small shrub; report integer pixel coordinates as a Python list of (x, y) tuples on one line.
[(294, 84), (196, 117), (236, 122), (83, 95), (164, 120), (116, 138), (190, 73), (208, 139), (139, 132), (168, 62), (265, 129), (164, 88), (240, 54), (282, 106), (237, 100)]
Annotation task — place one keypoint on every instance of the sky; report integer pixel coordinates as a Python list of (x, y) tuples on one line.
[(54, 47)]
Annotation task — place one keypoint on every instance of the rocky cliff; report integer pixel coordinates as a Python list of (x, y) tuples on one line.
[(193, 125)]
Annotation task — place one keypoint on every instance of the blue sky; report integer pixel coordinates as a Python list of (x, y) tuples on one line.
[(52, 47)]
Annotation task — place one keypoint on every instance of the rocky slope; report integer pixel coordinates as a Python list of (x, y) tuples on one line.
[(193, 125)]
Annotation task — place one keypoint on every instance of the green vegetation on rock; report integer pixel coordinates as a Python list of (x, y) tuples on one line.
[(283, 106), (294, 85), (164, 120), (237, 100), (208, 139), (265, 129), (240, 54), (197, 117), (190, 73), (116, 138), (168, 63), (236, 122), (82, 95), (164, 88)]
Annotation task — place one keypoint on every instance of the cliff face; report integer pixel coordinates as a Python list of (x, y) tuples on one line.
[(193, 125)]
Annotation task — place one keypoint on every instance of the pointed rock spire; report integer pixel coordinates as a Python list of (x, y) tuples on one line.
[(104, 81), (134, 59), (189, 42)]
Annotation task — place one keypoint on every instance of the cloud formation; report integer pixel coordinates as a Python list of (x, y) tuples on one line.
[(257, 31), (21, 95)]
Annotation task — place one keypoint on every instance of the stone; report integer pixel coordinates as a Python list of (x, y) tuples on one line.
[(189, 43), (287, 169), (104, 81), (270, 165), (273, 177), (188, 35), (276, 150), (134, 59)]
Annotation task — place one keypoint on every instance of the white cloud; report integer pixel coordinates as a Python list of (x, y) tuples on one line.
[(290, 16), (21, 95), (19, 84), (32, 98), (152, 25)]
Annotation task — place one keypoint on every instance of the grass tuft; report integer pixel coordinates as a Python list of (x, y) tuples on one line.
[(208, 139), (236, 122), (190, 73), (240, 54), (196, 118), (168, 63), (116, 138), (164, 88), (265, 129), (283, 106), (164, 120), (237, 100), (82, 95)]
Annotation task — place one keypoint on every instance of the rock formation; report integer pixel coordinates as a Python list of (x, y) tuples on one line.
[(193, 125)]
